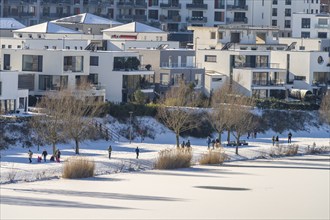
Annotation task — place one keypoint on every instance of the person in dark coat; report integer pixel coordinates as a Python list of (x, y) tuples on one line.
[(289, 137), (44, 154), (137, 151), (183, 144), (277, 140), (30, 156), (109, 151), (208, 142), (273, 139), (188, 144)]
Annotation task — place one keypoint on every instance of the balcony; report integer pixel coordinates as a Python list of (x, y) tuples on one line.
[(137, 5), (326, 26), (237, 7), (197, 6), (258, 65), (279, 82), (196, 19), (170, 6), (131, 17), (167, 65), (172, 19), (237, 20)]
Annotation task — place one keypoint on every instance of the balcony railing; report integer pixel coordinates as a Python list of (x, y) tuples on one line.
[(196, 19), (237, 7), (132, 17), (170, 6), (197, 6), (256, 82), (237, 20), (164, 18), (327, 26), (131, 5), (257, 65), (178, 65)]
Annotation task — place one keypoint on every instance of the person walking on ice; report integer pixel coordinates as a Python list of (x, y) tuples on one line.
[(30, 156), (44, 154), (109, 151), (137, 151), (289, 137)]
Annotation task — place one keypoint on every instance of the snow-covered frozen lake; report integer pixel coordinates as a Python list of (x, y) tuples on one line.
[(285, 188)]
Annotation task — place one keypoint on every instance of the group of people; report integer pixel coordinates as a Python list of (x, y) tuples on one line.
[(276, 140), (137, 151), (215, 143), (56, 157), (186, 144)]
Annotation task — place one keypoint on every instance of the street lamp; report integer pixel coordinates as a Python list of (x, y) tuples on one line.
[(130, 126), (195, 47)]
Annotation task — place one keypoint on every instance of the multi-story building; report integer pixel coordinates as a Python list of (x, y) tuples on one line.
[(253, 58), (325, 6), (170, 15), (311, 25)]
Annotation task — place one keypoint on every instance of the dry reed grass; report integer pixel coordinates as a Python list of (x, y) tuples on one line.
[(173, 159), (213, 157), (78, 167)]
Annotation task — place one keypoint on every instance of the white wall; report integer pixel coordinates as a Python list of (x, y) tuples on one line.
[(9, 84)]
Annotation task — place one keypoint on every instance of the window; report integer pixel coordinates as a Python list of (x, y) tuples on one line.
[(301, 48), (274, 23), (287, 2), (219, 4), (220, 35), (6, 62), (153, 14), (323, 22), (219, 16), (164, 79), (287, 24), (73, 63), (305, 34), (212, 35), (93, 78), (316, 11), (94, 61), (32, 63), (216, 79), (0, 87), (274, 2), (9, 46), (312, 11), (305, 23), (322, 35), (287, 12), (274, 13), (3, 46), (210, 58)]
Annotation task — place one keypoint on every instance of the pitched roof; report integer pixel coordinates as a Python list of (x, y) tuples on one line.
[(47, 28), (10, 23), (135, 27), (86, 18)]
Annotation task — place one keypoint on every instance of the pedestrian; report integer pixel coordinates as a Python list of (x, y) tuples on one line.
[(109, 151), (137, 151), (248, 136), (273, 139), (255, 134), (277, 140), (289, 137), (183, 144), (58, 155), (213, 143), (188, 144), (30, 156), (208, 142), (217, 143), (44, 154)]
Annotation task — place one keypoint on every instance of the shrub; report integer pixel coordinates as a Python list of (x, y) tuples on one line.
[(173, 158), (78, 167), (284, 150), (317, 150), (213, 157)]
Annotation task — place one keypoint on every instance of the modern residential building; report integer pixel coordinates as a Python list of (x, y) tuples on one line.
[(311, 25), (325, 6), (172, 66), (12, 99), (170, 15), (254, 59)]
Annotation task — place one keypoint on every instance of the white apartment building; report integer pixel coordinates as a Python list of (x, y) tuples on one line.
[(311, 25), (260, 65), (12, 99), (7, 25), (170, 15)]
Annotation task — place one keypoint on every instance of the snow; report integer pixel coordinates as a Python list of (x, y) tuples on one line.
[(10, 23), (126, 187), (47, 27), (134, 27), (87, 18)]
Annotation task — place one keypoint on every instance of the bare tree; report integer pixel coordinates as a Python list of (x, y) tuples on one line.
[(173, 110)]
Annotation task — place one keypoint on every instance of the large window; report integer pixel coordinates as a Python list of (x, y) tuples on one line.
[(274, 23), (93, 78), (274, 2), (6, 62), (210, 58), (126, 63), (288, 2), (94, 61), (32, 63), (305, 34), (322, 35), (219, 4), (305, 23), (287, 24), (274, 12), (219, 16), (287, 12), (153, 14), (73, 63)]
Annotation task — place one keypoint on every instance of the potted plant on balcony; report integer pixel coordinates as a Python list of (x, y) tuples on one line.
[(148, 66)]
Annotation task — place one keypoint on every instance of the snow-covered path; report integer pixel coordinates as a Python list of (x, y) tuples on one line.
[(285, 188)]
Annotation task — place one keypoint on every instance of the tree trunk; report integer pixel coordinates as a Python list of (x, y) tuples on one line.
[(177, 140), (77, 146), (54, 149), (219, 137), (228, 135), (237, 144)]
